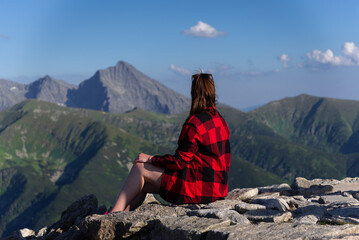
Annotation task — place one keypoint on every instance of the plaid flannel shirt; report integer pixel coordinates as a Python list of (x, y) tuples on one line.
[(198, 171)]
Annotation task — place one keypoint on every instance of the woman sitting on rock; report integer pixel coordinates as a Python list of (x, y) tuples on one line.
[(198, 171)]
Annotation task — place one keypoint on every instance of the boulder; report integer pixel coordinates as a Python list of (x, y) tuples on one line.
[(242, 193), (224, 214)]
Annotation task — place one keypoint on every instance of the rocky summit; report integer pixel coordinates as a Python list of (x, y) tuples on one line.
[(308, 209)]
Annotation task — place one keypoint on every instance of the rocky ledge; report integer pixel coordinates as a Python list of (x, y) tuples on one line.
[(309, 209)]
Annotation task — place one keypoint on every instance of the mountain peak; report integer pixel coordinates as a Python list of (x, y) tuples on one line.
[(48, 89), (121, 88), (123, 63)]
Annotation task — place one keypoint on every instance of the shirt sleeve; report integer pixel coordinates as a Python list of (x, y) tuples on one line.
[(187, 147)]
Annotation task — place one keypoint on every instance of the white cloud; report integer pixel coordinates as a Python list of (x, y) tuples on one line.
[(180, 70), (349, 57), (202, 29), (284, 59), (352, 52)]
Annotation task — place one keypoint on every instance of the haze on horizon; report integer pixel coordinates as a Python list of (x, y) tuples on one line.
[(258, 51)]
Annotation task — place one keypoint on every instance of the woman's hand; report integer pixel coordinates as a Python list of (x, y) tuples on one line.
[(143, 158)]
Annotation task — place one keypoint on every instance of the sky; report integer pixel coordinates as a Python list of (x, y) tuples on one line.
[(257, 50)]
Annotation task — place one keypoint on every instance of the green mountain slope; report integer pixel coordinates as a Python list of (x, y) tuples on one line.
[(262, 146), (331, 125)]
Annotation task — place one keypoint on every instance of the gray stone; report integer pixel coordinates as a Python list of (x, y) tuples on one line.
[(352, 211), (157, 210), (268, 216), (306, 219), (318, 211), (346, 184), (278, 204), (81, 208), (243, 207), (231, 215), (242, 193), (221, 204), (275, 188), (42, 232), (187, 228), (118, 225), (310, 214), (275, 231), (301, 182), (25, 232), (337, 199), (150, 198), (275, 216)]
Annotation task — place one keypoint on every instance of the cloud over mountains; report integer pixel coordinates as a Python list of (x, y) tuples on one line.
[(202, 29), (349, 57)]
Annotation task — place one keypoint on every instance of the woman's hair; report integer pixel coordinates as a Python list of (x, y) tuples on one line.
[(203, 93)]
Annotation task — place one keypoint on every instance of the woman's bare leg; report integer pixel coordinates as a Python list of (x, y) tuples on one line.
[(138, 200), (133, 188)]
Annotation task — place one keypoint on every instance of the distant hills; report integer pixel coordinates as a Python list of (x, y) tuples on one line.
[(116, 89), (328, 124)]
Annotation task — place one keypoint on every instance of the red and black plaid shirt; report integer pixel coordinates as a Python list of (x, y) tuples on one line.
[(198, 172)]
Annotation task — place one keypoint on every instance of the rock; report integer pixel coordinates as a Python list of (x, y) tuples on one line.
[(80, 209), (243, 207), (309, 215), (337, 199), (53, 234), (275, 231), (277, 212), (242, 193), (275, 188), (42, 232), (313, 187), (331, 185), (274, 203), (352, 211), (25, 232), (186, 227), (156, 210), (318, 211), (130, 224), (221, 204), (226, 214), (150, 198), (306, 219), (268, 216), (283, 218)]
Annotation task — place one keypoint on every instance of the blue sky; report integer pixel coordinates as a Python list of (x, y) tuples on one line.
[(257, 50)]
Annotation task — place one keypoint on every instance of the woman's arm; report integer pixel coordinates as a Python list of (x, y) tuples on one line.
[(187, 147), (143, 158)]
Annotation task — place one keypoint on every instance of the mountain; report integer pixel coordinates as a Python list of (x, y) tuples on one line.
[(260, 145), (328, 124), (46, 89), (117, 89), (122, 88), (49, 89), (11, 93)]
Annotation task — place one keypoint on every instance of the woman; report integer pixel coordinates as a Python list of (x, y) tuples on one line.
[(198, 171)]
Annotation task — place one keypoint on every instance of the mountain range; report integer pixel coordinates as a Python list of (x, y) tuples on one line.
[(115, 89), (51, 155)]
